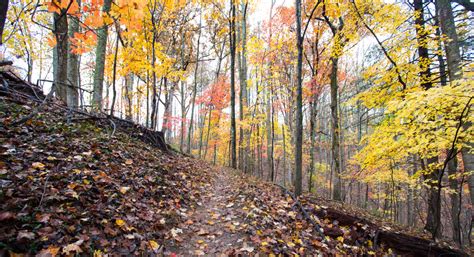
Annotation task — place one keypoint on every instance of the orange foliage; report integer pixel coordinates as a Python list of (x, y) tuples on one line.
[(216, 95)]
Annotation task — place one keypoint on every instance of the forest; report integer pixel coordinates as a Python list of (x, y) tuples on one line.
[(230, 127)]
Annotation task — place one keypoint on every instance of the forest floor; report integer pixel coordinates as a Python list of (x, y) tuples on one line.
[(73, 185), (215, 227)]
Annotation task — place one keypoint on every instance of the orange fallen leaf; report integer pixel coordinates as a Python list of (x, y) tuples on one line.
[(120, 222)]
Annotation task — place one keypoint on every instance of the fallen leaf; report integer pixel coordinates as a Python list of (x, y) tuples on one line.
[(202, 232), (247, 248), (51, 251), (199, 252), (72, 248), (124, 190), (6, 215), (120, 222), (176, 231), (38, 165), (51, 158), (23, 234), (153, 245)]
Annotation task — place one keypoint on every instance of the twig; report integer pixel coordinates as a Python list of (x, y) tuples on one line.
[(44, 191)]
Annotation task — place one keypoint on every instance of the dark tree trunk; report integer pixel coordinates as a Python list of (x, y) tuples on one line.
[(299, 104), (3, 17), (61, 34), (114, 74), (337, 190)]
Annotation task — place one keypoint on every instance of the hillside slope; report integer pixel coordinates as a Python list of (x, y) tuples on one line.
[(77, 185)]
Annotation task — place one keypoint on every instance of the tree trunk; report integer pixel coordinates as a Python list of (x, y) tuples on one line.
[(269, 125), (233, 135), (208, 132), (433, 219), (284, 155), (453, 56), (312, 127), (193, 100), (128, 97), (3, 17), (61, 34), (337, 190), (244, 150), (455, 203), (114, 74), (165, 127), (201, 134), (73, 67), (100, 61), (299, 104)]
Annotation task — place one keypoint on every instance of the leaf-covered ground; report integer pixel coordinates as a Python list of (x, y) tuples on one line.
[(71, 187)]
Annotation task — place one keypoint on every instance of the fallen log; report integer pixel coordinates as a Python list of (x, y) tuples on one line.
[(400, 243), (12, 85), (10, 81)]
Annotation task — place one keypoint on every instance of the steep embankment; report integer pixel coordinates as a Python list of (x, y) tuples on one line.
[(74, 187)]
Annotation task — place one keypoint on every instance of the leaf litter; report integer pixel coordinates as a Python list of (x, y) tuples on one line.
[(69, 188)]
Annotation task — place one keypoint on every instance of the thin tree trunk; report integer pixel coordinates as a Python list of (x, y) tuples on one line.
[(337, 190), (193, 100), (455, 196), (312, 128), (243, 156), (284, 156), (201, 133), (128, 96), (183, 118), (166, 126), (208, 131), (114, 74), (233, 135), (269, 133)]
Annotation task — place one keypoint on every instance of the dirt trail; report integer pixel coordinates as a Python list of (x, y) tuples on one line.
[(215, 227)]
